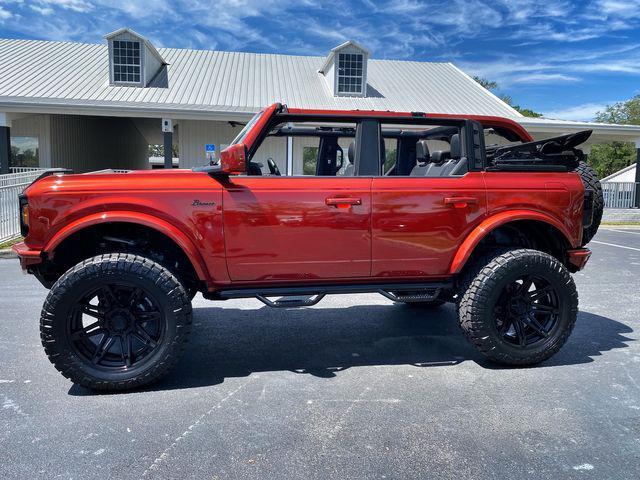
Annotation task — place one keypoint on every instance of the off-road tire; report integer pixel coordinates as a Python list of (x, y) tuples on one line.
[(590, 180), (479, 291), (146, 275)]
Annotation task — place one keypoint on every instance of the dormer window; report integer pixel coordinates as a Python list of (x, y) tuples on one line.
[(346, 70), (126, 61), (134, 61), (350, 72)]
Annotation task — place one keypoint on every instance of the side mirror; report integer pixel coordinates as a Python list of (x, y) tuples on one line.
[(233, 159)]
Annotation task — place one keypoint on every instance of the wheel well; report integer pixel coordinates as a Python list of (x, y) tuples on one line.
[(532, 234), (120, 237)]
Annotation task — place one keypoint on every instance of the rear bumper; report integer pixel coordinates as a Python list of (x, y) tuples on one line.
[(27, 256), (578, 257)]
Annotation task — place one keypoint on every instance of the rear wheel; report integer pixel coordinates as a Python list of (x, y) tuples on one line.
[(518, 307), (115, 322)]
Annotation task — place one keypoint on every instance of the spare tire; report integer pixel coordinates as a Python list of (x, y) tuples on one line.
[(590, 180)]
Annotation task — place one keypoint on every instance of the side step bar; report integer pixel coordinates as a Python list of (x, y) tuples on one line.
[(290, 297)]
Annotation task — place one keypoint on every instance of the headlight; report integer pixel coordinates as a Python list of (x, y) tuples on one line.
[(24, 214)]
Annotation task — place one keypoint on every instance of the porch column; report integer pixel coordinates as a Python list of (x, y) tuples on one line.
[(289, 156), (5, 144), (167, 130), (637, 202)]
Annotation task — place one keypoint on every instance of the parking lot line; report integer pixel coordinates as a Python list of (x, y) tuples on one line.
[(622, 231), (615, 245)]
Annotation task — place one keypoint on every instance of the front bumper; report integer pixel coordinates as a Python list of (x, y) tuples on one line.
[(27, 256), (578, 257)]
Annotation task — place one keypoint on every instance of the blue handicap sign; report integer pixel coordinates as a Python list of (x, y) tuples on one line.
[(209, 147)]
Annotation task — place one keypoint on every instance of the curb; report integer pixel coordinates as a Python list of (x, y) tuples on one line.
[(7, 253)]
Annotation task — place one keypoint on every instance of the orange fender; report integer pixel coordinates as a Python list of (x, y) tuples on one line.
[(150, 221), (495, 221)]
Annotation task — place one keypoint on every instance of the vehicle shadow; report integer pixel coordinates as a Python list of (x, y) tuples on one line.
[(229, 342)]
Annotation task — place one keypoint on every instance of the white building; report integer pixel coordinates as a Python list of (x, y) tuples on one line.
[(627, 174), (93, 106)]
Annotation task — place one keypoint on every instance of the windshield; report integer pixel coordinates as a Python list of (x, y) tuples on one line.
[(243, 133)]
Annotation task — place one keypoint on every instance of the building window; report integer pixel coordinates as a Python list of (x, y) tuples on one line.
[(24, 152), (350, 73), (126, 61), (309, 160)]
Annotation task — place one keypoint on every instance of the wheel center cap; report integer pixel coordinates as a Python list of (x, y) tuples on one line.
[(518, 306), (118, 321)]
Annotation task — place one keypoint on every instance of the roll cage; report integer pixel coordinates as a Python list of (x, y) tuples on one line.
[(369, 137)]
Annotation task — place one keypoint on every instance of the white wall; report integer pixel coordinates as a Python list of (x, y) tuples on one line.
[(38, 126), (194, 134), (624, 175)]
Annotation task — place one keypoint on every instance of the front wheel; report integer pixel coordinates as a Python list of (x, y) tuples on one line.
[(518, 307), (115, 322)]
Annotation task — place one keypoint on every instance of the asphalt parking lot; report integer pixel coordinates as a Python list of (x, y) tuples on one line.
[(355, 387)]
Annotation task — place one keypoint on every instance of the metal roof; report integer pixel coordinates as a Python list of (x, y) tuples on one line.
[(47, 76), (602, 132)]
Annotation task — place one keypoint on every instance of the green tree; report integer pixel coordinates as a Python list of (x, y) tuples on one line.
[(493, 86), (608, 158), (309, 159), (622, 113), (158, 150), (488, 84)]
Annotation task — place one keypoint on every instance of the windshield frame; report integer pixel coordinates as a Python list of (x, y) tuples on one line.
[(247, 128)]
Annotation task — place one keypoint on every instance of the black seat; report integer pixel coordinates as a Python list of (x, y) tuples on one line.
[(456, 152), (423, 159), (449, 161), (351, 156), (254, 168), (457, 164), (440, 156)]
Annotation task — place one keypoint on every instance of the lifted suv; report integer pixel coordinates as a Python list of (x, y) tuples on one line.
[(414, 206)]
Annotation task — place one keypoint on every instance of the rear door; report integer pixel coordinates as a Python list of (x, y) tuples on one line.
[(419, 222)]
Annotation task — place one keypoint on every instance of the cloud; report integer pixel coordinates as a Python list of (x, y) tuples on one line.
[(538, 78), (5, 14), (81, 6), (624, 8), (41, 10), (584, 112)]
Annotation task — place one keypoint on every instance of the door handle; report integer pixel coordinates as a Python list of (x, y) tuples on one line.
[(342, 202), (460, 202)]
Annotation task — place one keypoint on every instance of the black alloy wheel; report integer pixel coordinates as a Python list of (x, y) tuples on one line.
[(527, 311), (116, 326), (115, 321)]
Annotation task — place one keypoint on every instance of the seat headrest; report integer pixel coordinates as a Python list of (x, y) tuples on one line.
[(439, 156), (422, 151), (456, 152), (351, 152)]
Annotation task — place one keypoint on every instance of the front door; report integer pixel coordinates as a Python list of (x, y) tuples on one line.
[(297, 228)]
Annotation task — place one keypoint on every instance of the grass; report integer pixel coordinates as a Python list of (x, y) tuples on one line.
[(8, 243)]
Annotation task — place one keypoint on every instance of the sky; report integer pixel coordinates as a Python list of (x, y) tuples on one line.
[(565, 59)]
